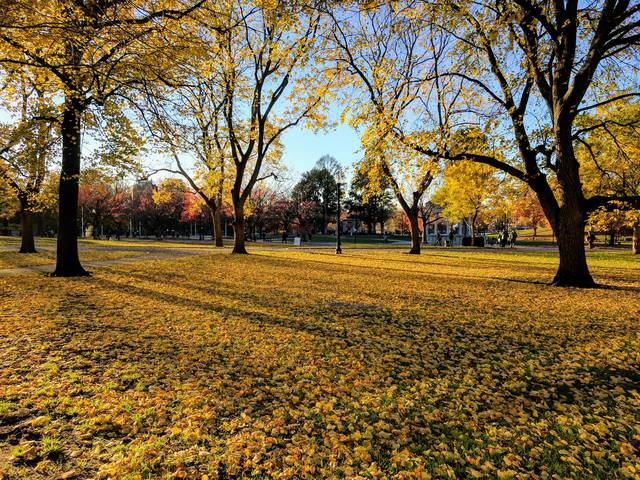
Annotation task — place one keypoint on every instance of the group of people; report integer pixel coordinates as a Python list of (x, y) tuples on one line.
[(507, 238), (440, 240)]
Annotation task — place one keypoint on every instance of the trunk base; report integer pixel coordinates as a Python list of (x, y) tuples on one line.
[(414, 251), (70, 272), (27, 243), (217, 228), (240, 250), (581, 281)]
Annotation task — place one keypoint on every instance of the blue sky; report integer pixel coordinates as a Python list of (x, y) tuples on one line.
[(303, 147)]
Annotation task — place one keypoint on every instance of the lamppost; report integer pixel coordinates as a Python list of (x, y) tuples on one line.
[(330, 164), (338, 226), (131, 215)]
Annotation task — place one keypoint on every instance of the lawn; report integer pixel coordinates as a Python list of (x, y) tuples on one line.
[(303, 364), (90, 250)]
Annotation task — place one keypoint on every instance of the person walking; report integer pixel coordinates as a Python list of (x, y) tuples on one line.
[(451, 237), (514, 237), (504, 238)]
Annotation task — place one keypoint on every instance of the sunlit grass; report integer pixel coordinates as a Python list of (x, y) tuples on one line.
[(297, 363)]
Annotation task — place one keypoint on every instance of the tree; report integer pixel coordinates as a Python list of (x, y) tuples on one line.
[(610, 155), (377, 51), (318, 189), (104, 203), (430, 213), (27, 145), (283, 212), (94, 49), (183, 112), (614, 219), (527, 210), (409, 174), (265, 48), (168, 199), (467, 190), (259, 210), (371, 202), (8, 206), (560, 58), (521, 71)]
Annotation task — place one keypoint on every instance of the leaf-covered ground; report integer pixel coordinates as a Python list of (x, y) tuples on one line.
[(12, 259), (301, 364)]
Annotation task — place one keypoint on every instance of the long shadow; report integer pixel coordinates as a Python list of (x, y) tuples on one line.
[(623, 288), (327, 286), (521, 280), (467, 263), (257, 317), (464, 262)]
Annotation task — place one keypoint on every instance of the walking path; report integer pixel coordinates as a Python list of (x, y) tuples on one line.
[(182, 249), (146, 254)]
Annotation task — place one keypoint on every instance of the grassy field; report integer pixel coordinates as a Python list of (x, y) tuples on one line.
[(303, 364)]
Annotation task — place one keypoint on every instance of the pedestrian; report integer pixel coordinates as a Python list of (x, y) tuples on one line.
[(439, 239), (451, 237), (514, 237), (591, 239), (284, 236)]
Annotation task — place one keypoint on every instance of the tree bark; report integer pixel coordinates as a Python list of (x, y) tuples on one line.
[(573, 270), (415, 232), (635, 239), (216, 218), (571, 214), (27, 245), (238, 229), (473, 229), (67, 259)]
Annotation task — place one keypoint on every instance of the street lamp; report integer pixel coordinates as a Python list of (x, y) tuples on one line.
[(339, 233), (330, 164)]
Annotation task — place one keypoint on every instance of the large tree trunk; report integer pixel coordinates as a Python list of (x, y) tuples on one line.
[(67, 259), (27, 245), (573, 270), (635, 239), (415, 232), (238, 229), (216, 218)]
